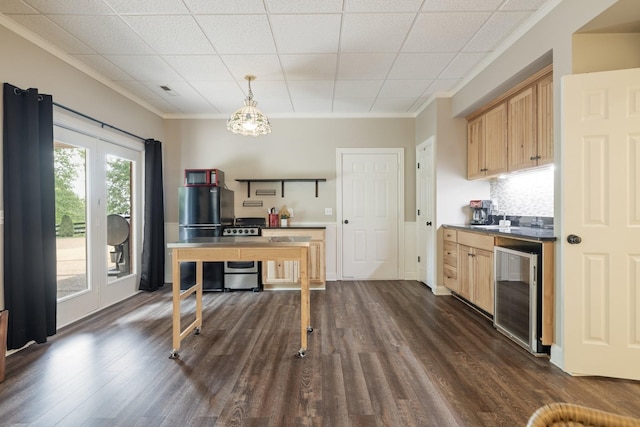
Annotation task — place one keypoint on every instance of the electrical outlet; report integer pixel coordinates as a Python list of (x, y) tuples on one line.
[(328, 211)]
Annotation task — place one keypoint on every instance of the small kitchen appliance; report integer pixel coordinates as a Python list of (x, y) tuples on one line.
[(480, 212)]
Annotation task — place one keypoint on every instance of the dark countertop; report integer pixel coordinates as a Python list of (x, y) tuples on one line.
[(530, 233)]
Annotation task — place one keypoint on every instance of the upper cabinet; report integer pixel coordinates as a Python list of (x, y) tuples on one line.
[(515, 131), (487, 143)]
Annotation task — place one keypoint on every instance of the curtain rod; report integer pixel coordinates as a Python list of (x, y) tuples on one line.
[(102, 124)]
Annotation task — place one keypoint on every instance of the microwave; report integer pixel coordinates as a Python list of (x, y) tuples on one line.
[(195, 177)]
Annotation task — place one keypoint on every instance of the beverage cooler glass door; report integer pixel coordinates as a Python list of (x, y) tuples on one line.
[(515, 311)]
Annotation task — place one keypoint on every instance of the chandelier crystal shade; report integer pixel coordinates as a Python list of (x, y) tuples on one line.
[(248, 120)]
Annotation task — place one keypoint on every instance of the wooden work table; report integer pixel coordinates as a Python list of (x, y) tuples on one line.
[(232, 248)]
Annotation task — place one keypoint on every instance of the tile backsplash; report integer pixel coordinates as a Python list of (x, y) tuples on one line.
[(524, 194)]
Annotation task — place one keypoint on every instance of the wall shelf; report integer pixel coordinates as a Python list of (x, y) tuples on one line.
[(281, 181)]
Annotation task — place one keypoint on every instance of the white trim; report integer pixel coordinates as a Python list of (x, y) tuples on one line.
[(399, 152)]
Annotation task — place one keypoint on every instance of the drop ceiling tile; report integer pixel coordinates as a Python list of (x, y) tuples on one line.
[(198, 67), (15, 6), (225, 6), (145, 68), (319, 66), (523, 4), (403, 88), (312, 105), (71, 7), (357, 88), (393, 105), (420, 66), (462, 64), (461, 5), (138, 89), (264, 67), (171, 34), (237, 34), (382, 5), (182, 96), (304, 6), (368, 66), (498, 27), (104, 67), (226, 96), (352, 105), (306, 33), (362, 32), (443, 32), (153, 7), (52, 33), (311, 88), (104, 34), (441, 85)]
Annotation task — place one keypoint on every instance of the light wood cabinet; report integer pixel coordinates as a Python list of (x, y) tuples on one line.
[(513, 132), (450, 259), (487, 144), (472, 275), (286, 274), (522, 130), (545, 120)]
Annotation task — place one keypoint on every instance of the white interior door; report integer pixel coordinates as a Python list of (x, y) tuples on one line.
[(97, 191), (601, 199), (371, 195), (425, 218)]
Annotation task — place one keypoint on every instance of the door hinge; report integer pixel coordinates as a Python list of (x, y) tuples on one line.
[(418, 212), (418, 165), (418, 259)]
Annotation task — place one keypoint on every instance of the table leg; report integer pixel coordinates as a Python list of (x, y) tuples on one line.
[(305, 301), (176, 306)]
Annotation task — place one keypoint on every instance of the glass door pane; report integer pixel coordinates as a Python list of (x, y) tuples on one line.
[(119, 208), (71, 208)]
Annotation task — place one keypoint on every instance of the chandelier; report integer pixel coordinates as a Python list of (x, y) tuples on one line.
[(248, 120)]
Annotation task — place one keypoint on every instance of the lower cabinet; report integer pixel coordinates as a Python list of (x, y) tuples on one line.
[(472, 276), (286, 274)]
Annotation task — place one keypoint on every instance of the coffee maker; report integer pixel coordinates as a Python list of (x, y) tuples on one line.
[(481, 210)]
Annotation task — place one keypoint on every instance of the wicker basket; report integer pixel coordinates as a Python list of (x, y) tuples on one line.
[(569, 415)]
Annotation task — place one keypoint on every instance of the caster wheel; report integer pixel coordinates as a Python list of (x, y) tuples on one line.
[(174, 354), (197, 331), (309, 329), (301, 354)]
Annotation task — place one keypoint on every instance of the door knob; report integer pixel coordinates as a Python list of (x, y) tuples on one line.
[(429, 223), (573, 239), (346, 221)]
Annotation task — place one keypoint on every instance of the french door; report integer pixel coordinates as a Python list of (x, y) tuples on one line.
[(97, 222)]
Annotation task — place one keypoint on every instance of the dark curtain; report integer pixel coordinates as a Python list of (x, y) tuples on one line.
[(29, 211), (152, 275)]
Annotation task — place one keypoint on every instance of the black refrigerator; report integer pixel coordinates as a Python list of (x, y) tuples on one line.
[(203, 212)]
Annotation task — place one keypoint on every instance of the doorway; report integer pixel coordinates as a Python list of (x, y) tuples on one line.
[(370, 208), (97, 184)]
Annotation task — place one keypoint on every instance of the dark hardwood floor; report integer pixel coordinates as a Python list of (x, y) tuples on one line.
[(383, 353)]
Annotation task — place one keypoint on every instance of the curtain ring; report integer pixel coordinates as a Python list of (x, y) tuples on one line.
[(40, 97)]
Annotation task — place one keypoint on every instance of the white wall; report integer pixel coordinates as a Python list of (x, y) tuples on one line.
[(27, 66)]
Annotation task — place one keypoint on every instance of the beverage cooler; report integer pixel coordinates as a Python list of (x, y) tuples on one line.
[(518, 296)]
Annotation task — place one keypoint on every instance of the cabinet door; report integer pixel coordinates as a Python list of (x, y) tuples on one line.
[(523, 152), (483, 280), (495, 140), (475, 148), (465, 271), (277, 272), (545, 120)]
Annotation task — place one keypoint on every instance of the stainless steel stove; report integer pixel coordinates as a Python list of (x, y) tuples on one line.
[(243, 275)]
